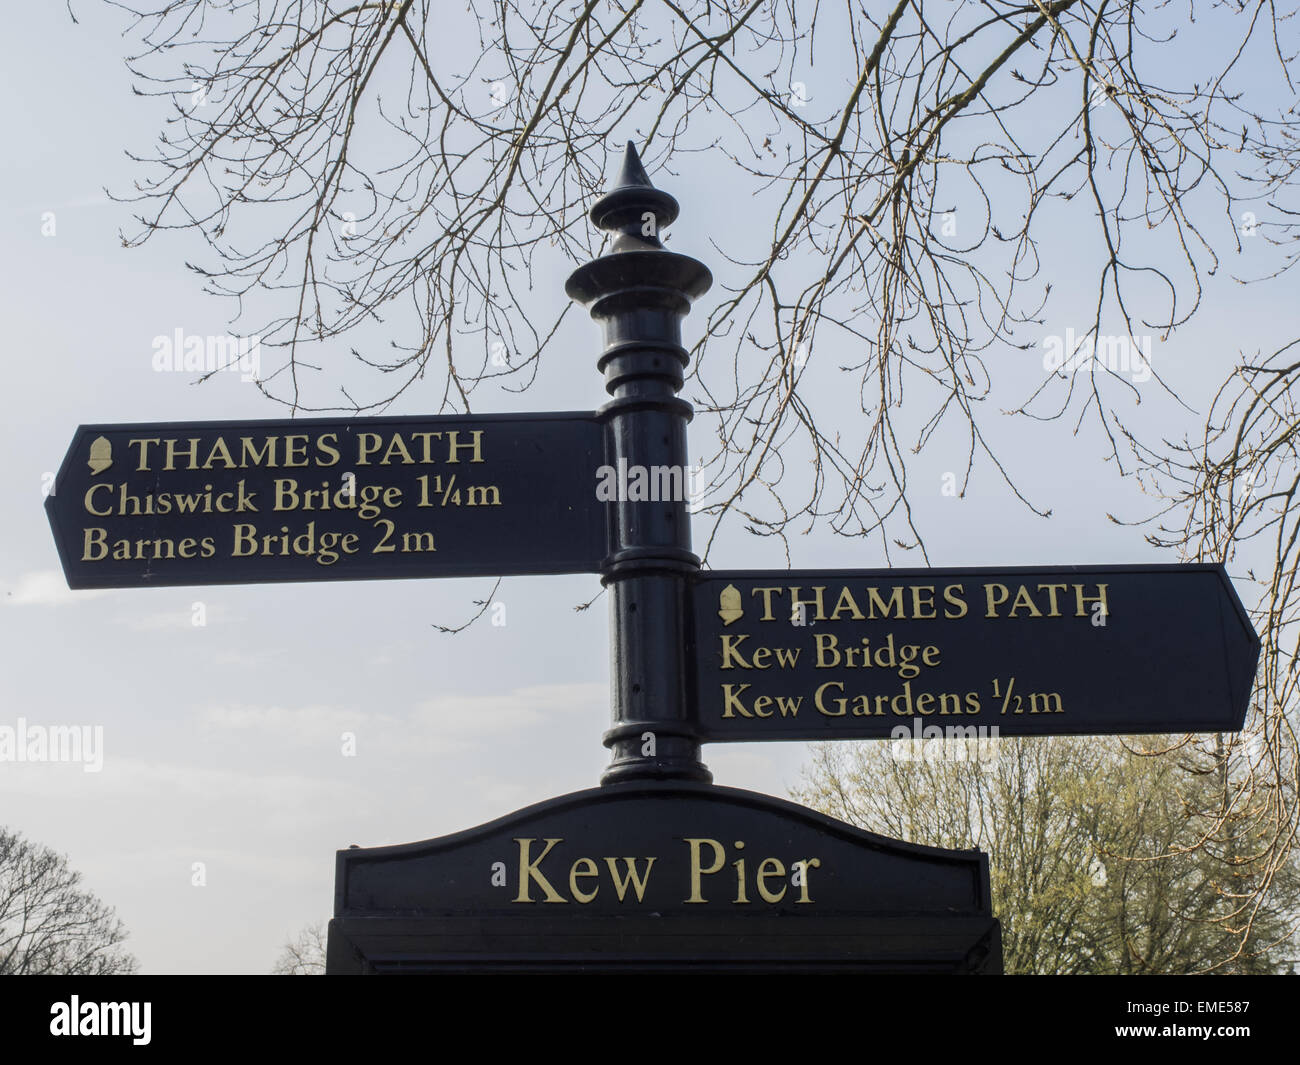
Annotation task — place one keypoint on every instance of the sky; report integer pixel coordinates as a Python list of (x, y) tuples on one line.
[(224, 790)]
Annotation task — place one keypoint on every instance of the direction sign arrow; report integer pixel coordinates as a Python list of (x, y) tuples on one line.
[(871, 654), (330, 499)]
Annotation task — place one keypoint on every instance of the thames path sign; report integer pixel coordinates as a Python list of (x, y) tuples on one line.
[(871, 654), (658, 868), (329, 499)]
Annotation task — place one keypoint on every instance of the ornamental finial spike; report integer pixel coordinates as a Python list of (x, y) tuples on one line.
[(634, 208), (633, 172)]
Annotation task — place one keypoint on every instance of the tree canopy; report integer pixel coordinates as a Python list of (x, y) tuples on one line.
[(304, 954), (1097, 862), (49, 925)]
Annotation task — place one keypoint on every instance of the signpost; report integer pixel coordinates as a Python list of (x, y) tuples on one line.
[(1031, 651), (655, 876), (658, 868), (329, 499)]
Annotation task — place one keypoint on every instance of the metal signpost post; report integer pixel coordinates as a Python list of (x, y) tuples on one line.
[(658, 868)]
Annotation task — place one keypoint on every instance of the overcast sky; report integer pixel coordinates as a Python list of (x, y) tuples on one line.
[(222, 741)]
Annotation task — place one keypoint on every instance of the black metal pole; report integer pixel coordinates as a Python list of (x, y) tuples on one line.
[(639, 292)]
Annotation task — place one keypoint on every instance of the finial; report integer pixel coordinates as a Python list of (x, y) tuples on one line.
[(634, 207), (633, 172), (636, 267)]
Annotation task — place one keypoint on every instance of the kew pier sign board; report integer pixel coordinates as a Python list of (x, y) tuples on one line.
[(654, 875), (330, 499), (862, 654)]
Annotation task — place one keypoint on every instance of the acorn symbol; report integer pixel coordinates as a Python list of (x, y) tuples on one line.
[(101, 455), (729, 608)]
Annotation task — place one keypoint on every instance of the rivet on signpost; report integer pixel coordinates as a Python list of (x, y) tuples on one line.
[(639, 292)]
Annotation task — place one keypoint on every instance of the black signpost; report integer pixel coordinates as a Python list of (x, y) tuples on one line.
[(329, 499), (658, 868), (657, 876), (1033, 651)]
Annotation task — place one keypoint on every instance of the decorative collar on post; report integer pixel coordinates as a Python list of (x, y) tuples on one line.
[(638, 273), (634, 207)]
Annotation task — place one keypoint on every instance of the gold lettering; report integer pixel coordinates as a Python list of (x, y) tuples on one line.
[(697, 869), (918, 603), (1051, 590), (245, 541), (820, 615), (731, 700), (483, 495), (1001, 592), (847, 602), (144, 450), (730, 645), (805, 865), (528, 871), (295, 450), (219, 451), (817, 699), (426, 456), (172, 451), (777, 870), (96, 538), (250, 456), (328, 449), (578, 894), (396, 445), (89, 503), (452, 445), (1045, 703), (895, 603), (954, 600), (286, 494), (367, 445), (739, 863), (634, 878), (766, 593), (1081, 599), (1024, 599), (827, 645)]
